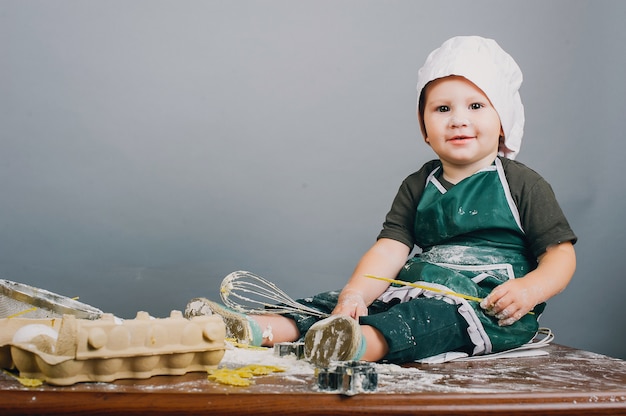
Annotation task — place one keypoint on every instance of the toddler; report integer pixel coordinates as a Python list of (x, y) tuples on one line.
[(485, 226)]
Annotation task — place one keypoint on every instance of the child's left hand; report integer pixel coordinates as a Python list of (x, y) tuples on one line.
[(510, 301), (515, 298)]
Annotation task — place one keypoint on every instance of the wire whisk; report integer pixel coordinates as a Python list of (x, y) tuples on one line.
[(248, 293)]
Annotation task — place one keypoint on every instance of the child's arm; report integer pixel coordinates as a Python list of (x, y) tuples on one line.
[(515, 298), (385, 258)]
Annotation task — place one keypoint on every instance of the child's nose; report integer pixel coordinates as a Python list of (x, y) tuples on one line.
[(458, 120)]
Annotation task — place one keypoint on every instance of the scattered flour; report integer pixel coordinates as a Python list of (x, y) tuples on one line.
[(267, 333), (392, 378), (238, 357), (501, 375)]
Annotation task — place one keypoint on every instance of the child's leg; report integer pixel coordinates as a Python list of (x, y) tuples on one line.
[(376, 346), (420, 328), (276, 328), (248, 329)]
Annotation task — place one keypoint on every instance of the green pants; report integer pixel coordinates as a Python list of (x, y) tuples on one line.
[(417, 329)]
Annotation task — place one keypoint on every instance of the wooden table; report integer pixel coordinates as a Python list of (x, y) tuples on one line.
[(565, 381)]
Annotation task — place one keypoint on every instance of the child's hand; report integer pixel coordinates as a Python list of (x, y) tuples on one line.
[(510, 301), (350, 303)]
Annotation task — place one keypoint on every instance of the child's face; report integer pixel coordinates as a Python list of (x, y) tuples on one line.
[(462, 126)]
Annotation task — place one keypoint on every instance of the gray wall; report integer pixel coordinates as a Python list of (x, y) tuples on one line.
[(149, 148)]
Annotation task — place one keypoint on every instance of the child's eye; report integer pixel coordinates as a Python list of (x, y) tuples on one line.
[(475, 106), (443, 108)]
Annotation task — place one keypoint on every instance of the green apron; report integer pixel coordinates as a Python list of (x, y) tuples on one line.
[(472, 241)]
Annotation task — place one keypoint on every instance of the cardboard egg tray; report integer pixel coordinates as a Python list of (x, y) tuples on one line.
[(71, 350)]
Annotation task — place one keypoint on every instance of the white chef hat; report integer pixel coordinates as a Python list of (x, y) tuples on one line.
[(484, 63)]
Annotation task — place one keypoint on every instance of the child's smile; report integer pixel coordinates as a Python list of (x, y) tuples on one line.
[(461, 138)]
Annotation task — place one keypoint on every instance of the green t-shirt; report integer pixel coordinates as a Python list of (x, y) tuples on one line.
[(542, 219)]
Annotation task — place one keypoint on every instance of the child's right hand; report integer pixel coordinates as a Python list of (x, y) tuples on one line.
[(350, 303)]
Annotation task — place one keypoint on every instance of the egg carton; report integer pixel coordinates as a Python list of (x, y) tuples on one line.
[(103, 350), (8, 328)]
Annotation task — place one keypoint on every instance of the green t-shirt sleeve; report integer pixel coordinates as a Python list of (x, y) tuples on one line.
[(542, 218)]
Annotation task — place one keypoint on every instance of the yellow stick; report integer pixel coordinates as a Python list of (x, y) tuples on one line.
[(15, 315), (425, 287), (429, 288)]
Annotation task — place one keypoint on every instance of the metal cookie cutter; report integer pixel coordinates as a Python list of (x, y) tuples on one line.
[(348, 377), (282, 349)]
